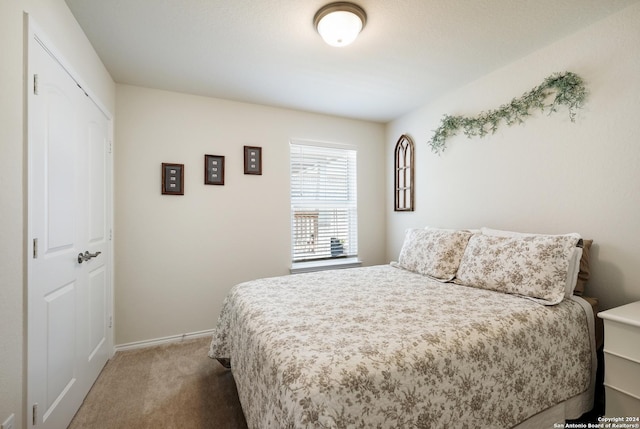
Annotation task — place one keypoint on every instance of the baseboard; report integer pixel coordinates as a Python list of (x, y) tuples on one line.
[(164, 340)]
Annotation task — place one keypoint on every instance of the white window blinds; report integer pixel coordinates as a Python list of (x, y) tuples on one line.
[(323, 202)]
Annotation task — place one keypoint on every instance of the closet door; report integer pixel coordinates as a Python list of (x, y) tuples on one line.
[(68, 270)]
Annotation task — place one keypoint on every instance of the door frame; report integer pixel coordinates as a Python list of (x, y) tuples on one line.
[(34, 34)]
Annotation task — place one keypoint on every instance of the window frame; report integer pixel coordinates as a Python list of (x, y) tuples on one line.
[(404, 175), (332, 262)]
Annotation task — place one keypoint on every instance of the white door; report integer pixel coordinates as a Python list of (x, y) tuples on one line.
[(69, 214)]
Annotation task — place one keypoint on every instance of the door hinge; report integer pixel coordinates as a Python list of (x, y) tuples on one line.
[(110, 149), (110, 234), (36, 90), (110, 321), (82, 89), (35, 414), (35, 248)]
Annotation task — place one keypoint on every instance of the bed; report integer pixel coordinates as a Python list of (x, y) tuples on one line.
[(409, 344)]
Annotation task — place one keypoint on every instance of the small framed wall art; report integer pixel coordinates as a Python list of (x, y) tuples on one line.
[(172, 179), (213, 170), (252, 160)]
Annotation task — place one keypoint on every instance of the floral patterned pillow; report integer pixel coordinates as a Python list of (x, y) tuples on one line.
[(433, 252), (575, 262), (532, 266)]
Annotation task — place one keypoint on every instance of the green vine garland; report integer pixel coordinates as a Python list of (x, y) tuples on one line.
[(570, 91)]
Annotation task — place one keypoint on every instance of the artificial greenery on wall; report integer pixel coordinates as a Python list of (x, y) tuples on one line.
[(569, 91)]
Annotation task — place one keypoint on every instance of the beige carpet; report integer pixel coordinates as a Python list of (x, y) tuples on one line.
[(169, 386)]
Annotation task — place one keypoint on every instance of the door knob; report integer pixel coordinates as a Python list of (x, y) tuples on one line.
[(82, 257)]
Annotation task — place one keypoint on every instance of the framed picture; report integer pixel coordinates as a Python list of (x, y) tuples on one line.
[(213, 170), (172, 179), (252, 160)]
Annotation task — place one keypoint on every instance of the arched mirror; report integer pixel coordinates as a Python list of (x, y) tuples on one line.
[(403, 183)]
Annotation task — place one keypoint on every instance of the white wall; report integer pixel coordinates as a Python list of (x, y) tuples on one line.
[(178, 256), (56, 21), (548, 175)]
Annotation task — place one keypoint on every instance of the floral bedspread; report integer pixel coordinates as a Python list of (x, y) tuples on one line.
[(381, 347)]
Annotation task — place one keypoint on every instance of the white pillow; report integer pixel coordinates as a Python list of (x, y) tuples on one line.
[(433, 252), (473, 231), (574, 263)]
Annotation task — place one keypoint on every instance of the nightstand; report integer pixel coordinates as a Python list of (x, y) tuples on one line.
[(622, 360)]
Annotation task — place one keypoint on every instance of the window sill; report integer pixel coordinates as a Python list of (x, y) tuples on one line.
[(330, 264)]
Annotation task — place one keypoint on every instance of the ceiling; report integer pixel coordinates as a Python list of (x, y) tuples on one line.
[(268, 52)]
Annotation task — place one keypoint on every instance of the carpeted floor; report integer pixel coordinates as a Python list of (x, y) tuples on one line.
[(170, 386)]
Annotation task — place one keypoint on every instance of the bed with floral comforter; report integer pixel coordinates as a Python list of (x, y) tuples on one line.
[(385, 347)]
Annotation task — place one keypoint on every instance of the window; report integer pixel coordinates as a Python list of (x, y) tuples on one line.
[(323, 202)]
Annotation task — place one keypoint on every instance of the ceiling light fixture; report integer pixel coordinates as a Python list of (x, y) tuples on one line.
[(340, 23)]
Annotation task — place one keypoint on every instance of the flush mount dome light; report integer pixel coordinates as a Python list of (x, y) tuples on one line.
[(340, 23)]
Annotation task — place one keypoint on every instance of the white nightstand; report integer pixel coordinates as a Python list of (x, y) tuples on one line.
[(622, 360)]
